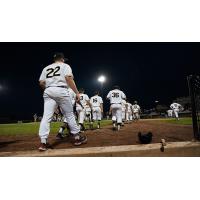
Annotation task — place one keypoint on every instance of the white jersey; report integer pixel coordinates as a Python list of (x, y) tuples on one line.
[(116, 96), (135, 108), (129, 105), (175, 106), (54, 74), (123, 105), (72, 95), (96, 101), (83, 99)]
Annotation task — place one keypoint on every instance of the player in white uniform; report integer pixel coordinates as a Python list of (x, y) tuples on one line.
[(170, 113), (136, 111), (176, 108), (88, 115), (123, 111), (97, 108), (116, 96), (128, 111), (60, 134), (55, 79), (81, 108)]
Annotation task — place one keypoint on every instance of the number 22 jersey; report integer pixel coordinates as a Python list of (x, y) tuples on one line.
[(54, 74)]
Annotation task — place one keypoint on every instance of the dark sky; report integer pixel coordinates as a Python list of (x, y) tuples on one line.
[(144, 71)]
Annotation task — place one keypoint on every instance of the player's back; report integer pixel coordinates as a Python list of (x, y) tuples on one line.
[(96, 101), (116, 96), (175, 105), (83, 99), (54, 74)]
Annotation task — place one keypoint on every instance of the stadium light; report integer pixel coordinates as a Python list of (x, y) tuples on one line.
[(102, 79)]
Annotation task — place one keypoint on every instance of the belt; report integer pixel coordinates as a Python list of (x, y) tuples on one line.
[(116, 103), (58, 86)]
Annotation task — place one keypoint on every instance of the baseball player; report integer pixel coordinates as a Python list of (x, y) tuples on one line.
[(170, 113), (55, 80), (88, 115), (116, 96), (176, 109), (97, 108), (35, 117), (136, 111), (60, 134), (123, 111), (81, 108), (128, 111)]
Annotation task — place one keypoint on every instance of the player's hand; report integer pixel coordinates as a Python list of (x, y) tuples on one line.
[(78, 98)]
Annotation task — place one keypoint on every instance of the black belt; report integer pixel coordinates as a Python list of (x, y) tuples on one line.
[(58, 86)]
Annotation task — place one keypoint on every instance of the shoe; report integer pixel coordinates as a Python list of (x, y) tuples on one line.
[(43, 147), (82, 128), (98, 126), (118, 127), (79, 139), (59, 136)]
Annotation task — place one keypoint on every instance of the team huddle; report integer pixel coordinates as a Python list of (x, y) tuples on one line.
[(60, 90)]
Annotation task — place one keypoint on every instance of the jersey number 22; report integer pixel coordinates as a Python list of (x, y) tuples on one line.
[(53, 72)]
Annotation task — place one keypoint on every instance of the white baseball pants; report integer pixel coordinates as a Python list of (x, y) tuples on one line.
[(53, 97), (81, 114), (117, 112), (96, 111), (136, 115), (176, 111)]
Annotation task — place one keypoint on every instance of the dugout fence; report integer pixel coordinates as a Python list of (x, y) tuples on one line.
[(194, 91)]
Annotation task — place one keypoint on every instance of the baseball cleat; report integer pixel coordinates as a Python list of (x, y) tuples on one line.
[(79, 139), (118, 127), (43, 147), (59, 136)]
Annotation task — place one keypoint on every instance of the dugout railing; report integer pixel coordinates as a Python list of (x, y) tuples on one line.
[(194, 91)]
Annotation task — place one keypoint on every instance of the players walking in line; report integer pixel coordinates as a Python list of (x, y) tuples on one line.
[(129, 117), (176, 107), (97, 108), (136, 111), (116, 96), (61, 134), (55, 79), (81, 108)]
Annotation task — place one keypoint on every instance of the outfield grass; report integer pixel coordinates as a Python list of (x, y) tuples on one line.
[(32, 128), (182, 121)]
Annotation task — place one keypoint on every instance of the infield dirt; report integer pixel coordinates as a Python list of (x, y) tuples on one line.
[(105, 136)]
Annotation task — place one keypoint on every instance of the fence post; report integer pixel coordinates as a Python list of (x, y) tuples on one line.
[(191, 87)]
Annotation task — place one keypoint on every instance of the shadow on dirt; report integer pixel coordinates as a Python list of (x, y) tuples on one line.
[(4, 144)]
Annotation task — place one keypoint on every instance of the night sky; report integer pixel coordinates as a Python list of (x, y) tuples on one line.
[(145, 71)]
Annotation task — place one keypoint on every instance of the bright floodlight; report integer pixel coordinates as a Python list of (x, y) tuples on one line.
[(101, 79)]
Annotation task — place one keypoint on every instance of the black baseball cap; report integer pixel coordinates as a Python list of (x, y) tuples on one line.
[(59, 55)]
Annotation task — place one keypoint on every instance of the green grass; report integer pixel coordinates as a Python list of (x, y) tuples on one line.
[(182, 121), (32, 128)]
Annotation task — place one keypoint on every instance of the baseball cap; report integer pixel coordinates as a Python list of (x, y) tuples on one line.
[(59, 55)]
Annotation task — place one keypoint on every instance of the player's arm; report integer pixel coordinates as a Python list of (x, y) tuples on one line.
[(42, 84), (42, 78), (70, 81), (89, 104), (108, 96), (101, 104)]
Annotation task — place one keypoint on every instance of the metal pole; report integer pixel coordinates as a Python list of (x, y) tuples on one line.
[(190, 80)]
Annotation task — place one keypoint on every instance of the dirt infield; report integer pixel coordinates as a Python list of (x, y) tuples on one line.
[(106, 136)]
